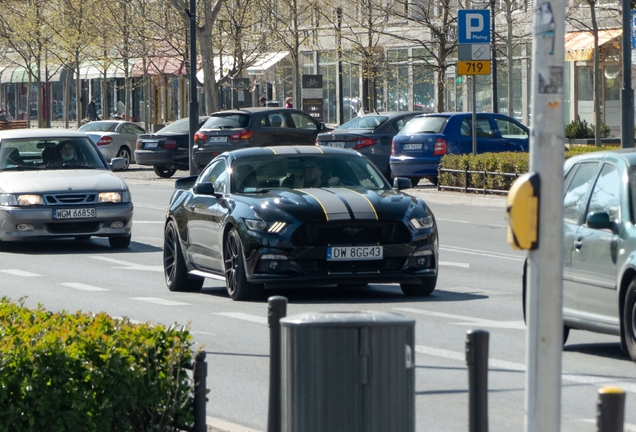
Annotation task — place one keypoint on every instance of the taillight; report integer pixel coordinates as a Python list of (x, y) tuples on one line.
[(440, 147), (364, 142), (200, 137), (246, 134), (169, 144), (317, 142), (392, 147), (104, 141), (138, 145)]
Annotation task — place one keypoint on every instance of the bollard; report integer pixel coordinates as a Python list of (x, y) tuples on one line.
[(477, 361), (610, 409), (277, 309), (200, 374)]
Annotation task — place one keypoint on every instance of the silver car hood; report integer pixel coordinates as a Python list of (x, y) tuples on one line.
[(59, 181)]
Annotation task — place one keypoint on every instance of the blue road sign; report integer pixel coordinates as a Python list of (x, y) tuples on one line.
[(473, 26), (633, 28)]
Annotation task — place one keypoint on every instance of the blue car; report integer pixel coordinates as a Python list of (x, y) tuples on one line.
[(418, 148)]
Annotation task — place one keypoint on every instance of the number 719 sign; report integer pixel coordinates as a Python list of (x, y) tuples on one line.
[(473, 67)]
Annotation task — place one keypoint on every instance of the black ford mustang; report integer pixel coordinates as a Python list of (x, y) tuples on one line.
[(299, 216)]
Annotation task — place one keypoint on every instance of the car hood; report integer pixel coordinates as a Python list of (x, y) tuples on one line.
[(59, 181), (332, 204)]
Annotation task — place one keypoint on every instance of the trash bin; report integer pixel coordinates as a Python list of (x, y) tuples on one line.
[(348, 372)]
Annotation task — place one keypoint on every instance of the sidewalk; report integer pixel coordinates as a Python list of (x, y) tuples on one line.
[(431, 194)]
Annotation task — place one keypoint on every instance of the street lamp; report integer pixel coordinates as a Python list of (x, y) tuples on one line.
[(495, 97)]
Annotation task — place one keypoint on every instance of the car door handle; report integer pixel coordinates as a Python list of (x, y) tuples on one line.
[(578, 244)]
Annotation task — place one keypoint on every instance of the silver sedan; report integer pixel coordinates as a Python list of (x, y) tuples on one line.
[(115, 138), (56, 183)]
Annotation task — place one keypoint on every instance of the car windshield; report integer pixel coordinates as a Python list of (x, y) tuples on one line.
[(261, 173), (428, 124), (49, 153), (364, 122), (99, 127), (224, 121)]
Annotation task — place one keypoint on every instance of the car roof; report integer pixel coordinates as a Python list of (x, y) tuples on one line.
[(42, 133), (249, 110), (627, 154), (292, 150)]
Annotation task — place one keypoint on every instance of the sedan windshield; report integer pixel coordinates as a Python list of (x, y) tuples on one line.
[(52, 153), (99, 127), (365, 122), (428, 124)]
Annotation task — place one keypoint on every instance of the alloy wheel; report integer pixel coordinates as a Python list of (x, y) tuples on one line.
[(170, 254), (125, 154), (231, 262)]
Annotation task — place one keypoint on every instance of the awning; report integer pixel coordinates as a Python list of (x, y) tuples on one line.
[(159, 66), (580, 45), (219, 69), (58, 75), (7, 73), (95, 71), (266, 61)]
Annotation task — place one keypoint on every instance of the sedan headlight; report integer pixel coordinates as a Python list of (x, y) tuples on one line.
[(109, 197), (260, 225), (422, 222), (20, 200)]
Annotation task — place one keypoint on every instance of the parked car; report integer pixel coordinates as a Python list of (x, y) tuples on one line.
[(168, 150), (114, 138), (418, 148), (599, 246), (253, 127), (46, 192), (297, 216), (370, 135)]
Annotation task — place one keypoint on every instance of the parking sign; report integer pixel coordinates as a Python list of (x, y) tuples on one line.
[(473, 26)]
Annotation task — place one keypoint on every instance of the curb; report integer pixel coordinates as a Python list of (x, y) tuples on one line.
[(434, 195)]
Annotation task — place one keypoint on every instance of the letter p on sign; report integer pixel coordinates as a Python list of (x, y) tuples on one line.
[(474, 24)]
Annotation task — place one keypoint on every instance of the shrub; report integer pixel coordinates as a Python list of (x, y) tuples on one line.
[(85, 372), (578, 129)]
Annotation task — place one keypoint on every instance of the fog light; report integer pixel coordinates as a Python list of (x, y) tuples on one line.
[(273, 265), (421, 261), (118, 224), (25, 227)]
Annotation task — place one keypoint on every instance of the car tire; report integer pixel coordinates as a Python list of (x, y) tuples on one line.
[(629, 320), (119, 242), (238, 287), (164, 172), (174, 266), (432, 179), (422, 289), (415, 180), (124, 153)]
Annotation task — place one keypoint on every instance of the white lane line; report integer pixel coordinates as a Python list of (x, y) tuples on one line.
[(128, 265), (245, 317), (481, 253), (454, 264), (521, 367), (81, 286), (471, 223), (480, 322), (218, 424), (149, 222), (160, 301), (20, 273), (152, 206)]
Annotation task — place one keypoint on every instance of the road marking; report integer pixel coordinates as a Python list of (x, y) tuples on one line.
[(20, 273), (161, 301), (479, 322), (81, 286), (128, 265), (217, 424), (471, 223), (454, 264), (244, 317), (152, 206), (481, 253)]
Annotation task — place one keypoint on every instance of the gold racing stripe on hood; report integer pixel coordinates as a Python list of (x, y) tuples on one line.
[(331, 204)]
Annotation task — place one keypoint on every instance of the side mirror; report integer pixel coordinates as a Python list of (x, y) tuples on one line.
[(117, 163), (600, 220), (203, 189), (400, 183), (185, 183), (322, 126)]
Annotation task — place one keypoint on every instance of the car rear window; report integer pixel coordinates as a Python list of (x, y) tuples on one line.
[(99, 127), (428, 124), (180, 126), (221, 121), (365, 122)]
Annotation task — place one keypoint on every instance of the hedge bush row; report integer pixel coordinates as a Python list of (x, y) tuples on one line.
[(85, 372), (511, 163)]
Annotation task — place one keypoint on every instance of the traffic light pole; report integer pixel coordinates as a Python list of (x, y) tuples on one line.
[(545, 264), (627, 93), (194, 103)]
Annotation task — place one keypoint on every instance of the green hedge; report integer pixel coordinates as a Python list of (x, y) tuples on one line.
[(513, 162), (84, 372)]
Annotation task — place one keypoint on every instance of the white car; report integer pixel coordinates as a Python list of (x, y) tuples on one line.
[(115, 138), (56, 183)]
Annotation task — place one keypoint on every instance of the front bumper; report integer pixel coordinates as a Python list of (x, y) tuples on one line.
[(37, 223)]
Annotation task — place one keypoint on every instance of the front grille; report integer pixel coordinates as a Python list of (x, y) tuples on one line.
[(72, 227), (323, 266), (70, 199), (351, 232)]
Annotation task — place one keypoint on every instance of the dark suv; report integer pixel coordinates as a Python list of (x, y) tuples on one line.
[(253, 127)]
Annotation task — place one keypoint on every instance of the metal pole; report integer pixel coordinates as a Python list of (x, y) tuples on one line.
[(545, 264), (194, 104), (495, 96), (474, 115), (277, 309), (627, 93), (200, 376), (477, 362), (610, 410), (339, 95)]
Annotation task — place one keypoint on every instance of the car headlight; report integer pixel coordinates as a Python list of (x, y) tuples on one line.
[(261, 225), (20, 200), (422, 222), (109, 197)]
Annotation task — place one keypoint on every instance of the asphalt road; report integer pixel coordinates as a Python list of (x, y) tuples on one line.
[(479, 287)]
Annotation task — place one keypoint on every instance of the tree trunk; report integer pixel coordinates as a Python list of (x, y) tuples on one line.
[(78, 93), (509, 58), (597, 78)]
